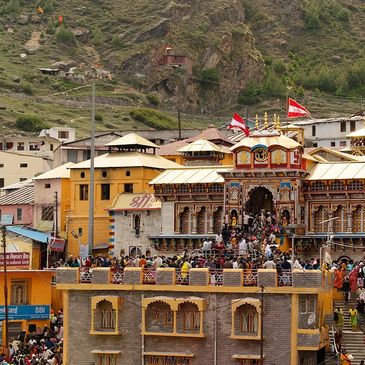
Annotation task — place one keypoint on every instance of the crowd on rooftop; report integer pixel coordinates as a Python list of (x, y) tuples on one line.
[(40, 347)]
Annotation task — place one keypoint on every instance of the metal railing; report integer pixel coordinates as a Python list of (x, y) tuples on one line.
[(285, 278), (216, 277), (117, 276), (250, 277), (149, 276), (85, 275), (182, 277)]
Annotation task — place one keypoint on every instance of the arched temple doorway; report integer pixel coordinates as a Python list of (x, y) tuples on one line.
[(260, 198)]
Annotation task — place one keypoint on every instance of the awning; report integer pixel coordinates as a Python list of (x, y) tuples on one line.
[(108, 352), (29, 233), (176, 354), (100, 246), (247, 357), (135, 202)]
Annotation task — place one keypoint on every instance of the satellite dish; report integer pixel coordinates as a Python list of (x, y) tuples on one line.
[(311, 319)]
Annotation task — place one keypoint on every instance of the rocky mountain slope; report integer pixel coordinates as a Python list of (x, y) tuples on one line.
[(242, 55)]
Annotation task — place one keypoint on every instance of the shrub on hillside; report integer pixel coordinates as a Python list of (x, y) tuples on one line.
[(209, 77), (97, 37), (30, 123), (152, 118), (153, 99), (250, 94), (12, 7), (65, 35)]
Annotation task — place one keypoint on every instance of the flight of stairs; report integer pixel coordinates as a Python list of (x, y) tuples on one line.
[(353, 342)]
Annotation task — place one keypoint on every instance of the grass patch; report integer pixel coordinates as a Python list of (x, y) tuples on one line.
[(153, 118)]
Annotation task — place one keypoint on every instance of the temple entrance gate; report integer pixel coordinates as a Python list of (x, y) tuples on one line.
[(259, 199)]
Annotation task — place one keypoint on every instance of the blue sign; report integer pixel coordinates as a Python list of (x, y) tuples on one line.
[(25, 312)]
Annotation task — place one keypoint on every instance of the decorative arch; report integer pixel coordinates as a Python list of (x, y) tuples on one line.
[(218, 220), (159, 317), (184, 218), (246, 319), (188, 317), (260, 198), (105, 312)]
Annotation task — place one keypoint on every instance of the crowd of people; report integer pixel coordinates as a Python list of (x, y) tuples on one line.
[(41, 347)]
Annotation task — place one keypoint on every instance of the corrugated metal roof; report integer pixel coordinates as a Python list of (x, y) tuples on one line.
[(189, 175), (18, 185), (131, 139), (279, 140), (358, 133), (202, 145), (61, 172), (30, 233), (337, 171), (24, 195), (127, 159)]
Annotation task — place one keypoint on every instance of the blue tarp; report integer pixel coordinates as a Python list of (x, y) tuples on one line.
[(30, 233)]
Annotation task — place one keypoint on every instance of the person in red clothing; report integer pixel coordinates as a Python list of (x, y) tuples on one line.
[(142, 261)]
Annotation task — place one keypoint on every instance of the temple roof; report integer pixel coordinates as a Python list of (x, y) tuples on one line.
[(131, 139), (337, 171), (191, 175), (266, 140), (127, 159), (60, 172), (203, 145)]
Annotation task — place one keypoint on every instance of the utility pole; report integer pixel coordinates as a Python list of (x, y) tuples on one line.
[(262, 326), (3, 240), (56, 215), (90, 237), (179, 121)]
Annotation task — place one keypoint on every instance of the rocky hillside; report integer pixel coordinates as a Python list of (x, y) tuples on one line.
[(240, 55)]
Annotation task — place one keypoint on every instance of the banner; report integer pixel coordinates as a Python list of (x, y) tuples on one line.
[(25, 312), (15, 259), (56, 244)]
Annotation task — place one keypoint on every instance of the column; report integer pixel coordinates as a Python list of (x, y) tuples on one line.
[(192, 222), (349, 219), (209, 221)]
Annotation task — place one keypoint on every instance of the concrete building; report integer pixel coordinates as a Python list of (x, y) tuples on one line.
[(188, 319), (51, 188), (16, 167), (331, 132), (62, 134), (127, 168)]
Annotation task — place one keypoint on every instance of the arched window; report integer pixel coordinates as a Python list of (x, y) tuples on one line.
[(159, 317), (247, 318), (188, 318), (104, 316), (137, 224), (201, 221), (184, 221)]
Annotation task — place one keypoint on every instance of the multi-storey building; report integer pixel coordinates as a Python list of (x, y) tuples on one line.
[(201, 317)]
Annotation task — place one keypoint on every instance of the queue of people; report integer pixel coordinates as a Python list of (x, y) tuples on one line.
[(41, 347)]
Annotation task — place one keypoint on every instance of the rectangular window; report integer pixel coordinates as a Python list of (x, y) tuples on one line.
[(22, 179), (343, 126), (19, 292), (342, 143), (51, 147), (20, 146), (1, 165), (191, 322), (47, 186), (128, 188), (1, 146), (107, 359), (63, 134), (333, 144), (248, 323), (34, 146), (167, 360), (352, 126), (47, 213), (105, 191), (84, 192), (313, 130), (19, 214), (2, 183), (315, 144), (23, 165)]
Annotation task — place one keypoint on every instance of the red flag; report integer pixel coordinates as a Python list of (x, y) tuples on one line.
[(296, 110), (238, 122)]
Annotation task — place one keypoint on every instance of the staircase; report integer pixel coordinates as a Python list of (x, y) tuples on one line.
[(353, 342)]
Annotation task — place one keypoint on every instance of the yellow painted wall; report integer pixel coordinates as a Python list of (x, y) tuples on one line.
[(39, 292), (78, 215), (65, 201)]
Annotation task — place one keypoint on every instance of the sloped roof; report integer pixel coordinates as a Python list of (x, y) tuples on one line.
[(203, 145), (24, 195), (315, 152), (18, 185), (127, 159), (191, 175), (61, 172), (131, 139), (267, 141), (337, 171)]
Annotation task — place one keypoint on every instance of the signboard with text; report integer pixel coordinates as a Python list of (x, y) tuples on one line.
[(25, 312), (56, 244), (15, 259)]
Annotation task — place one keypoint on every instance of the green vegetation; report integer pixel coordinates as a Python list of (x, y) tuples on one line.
[(318, 13), (153, 99), (153, 118), (30, 123), (209, 78), (97, 37), (12, 7), (65, 35)]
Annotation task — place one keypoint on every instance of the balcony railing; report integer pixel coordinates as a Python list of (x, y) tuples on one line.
[(202, 276)]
